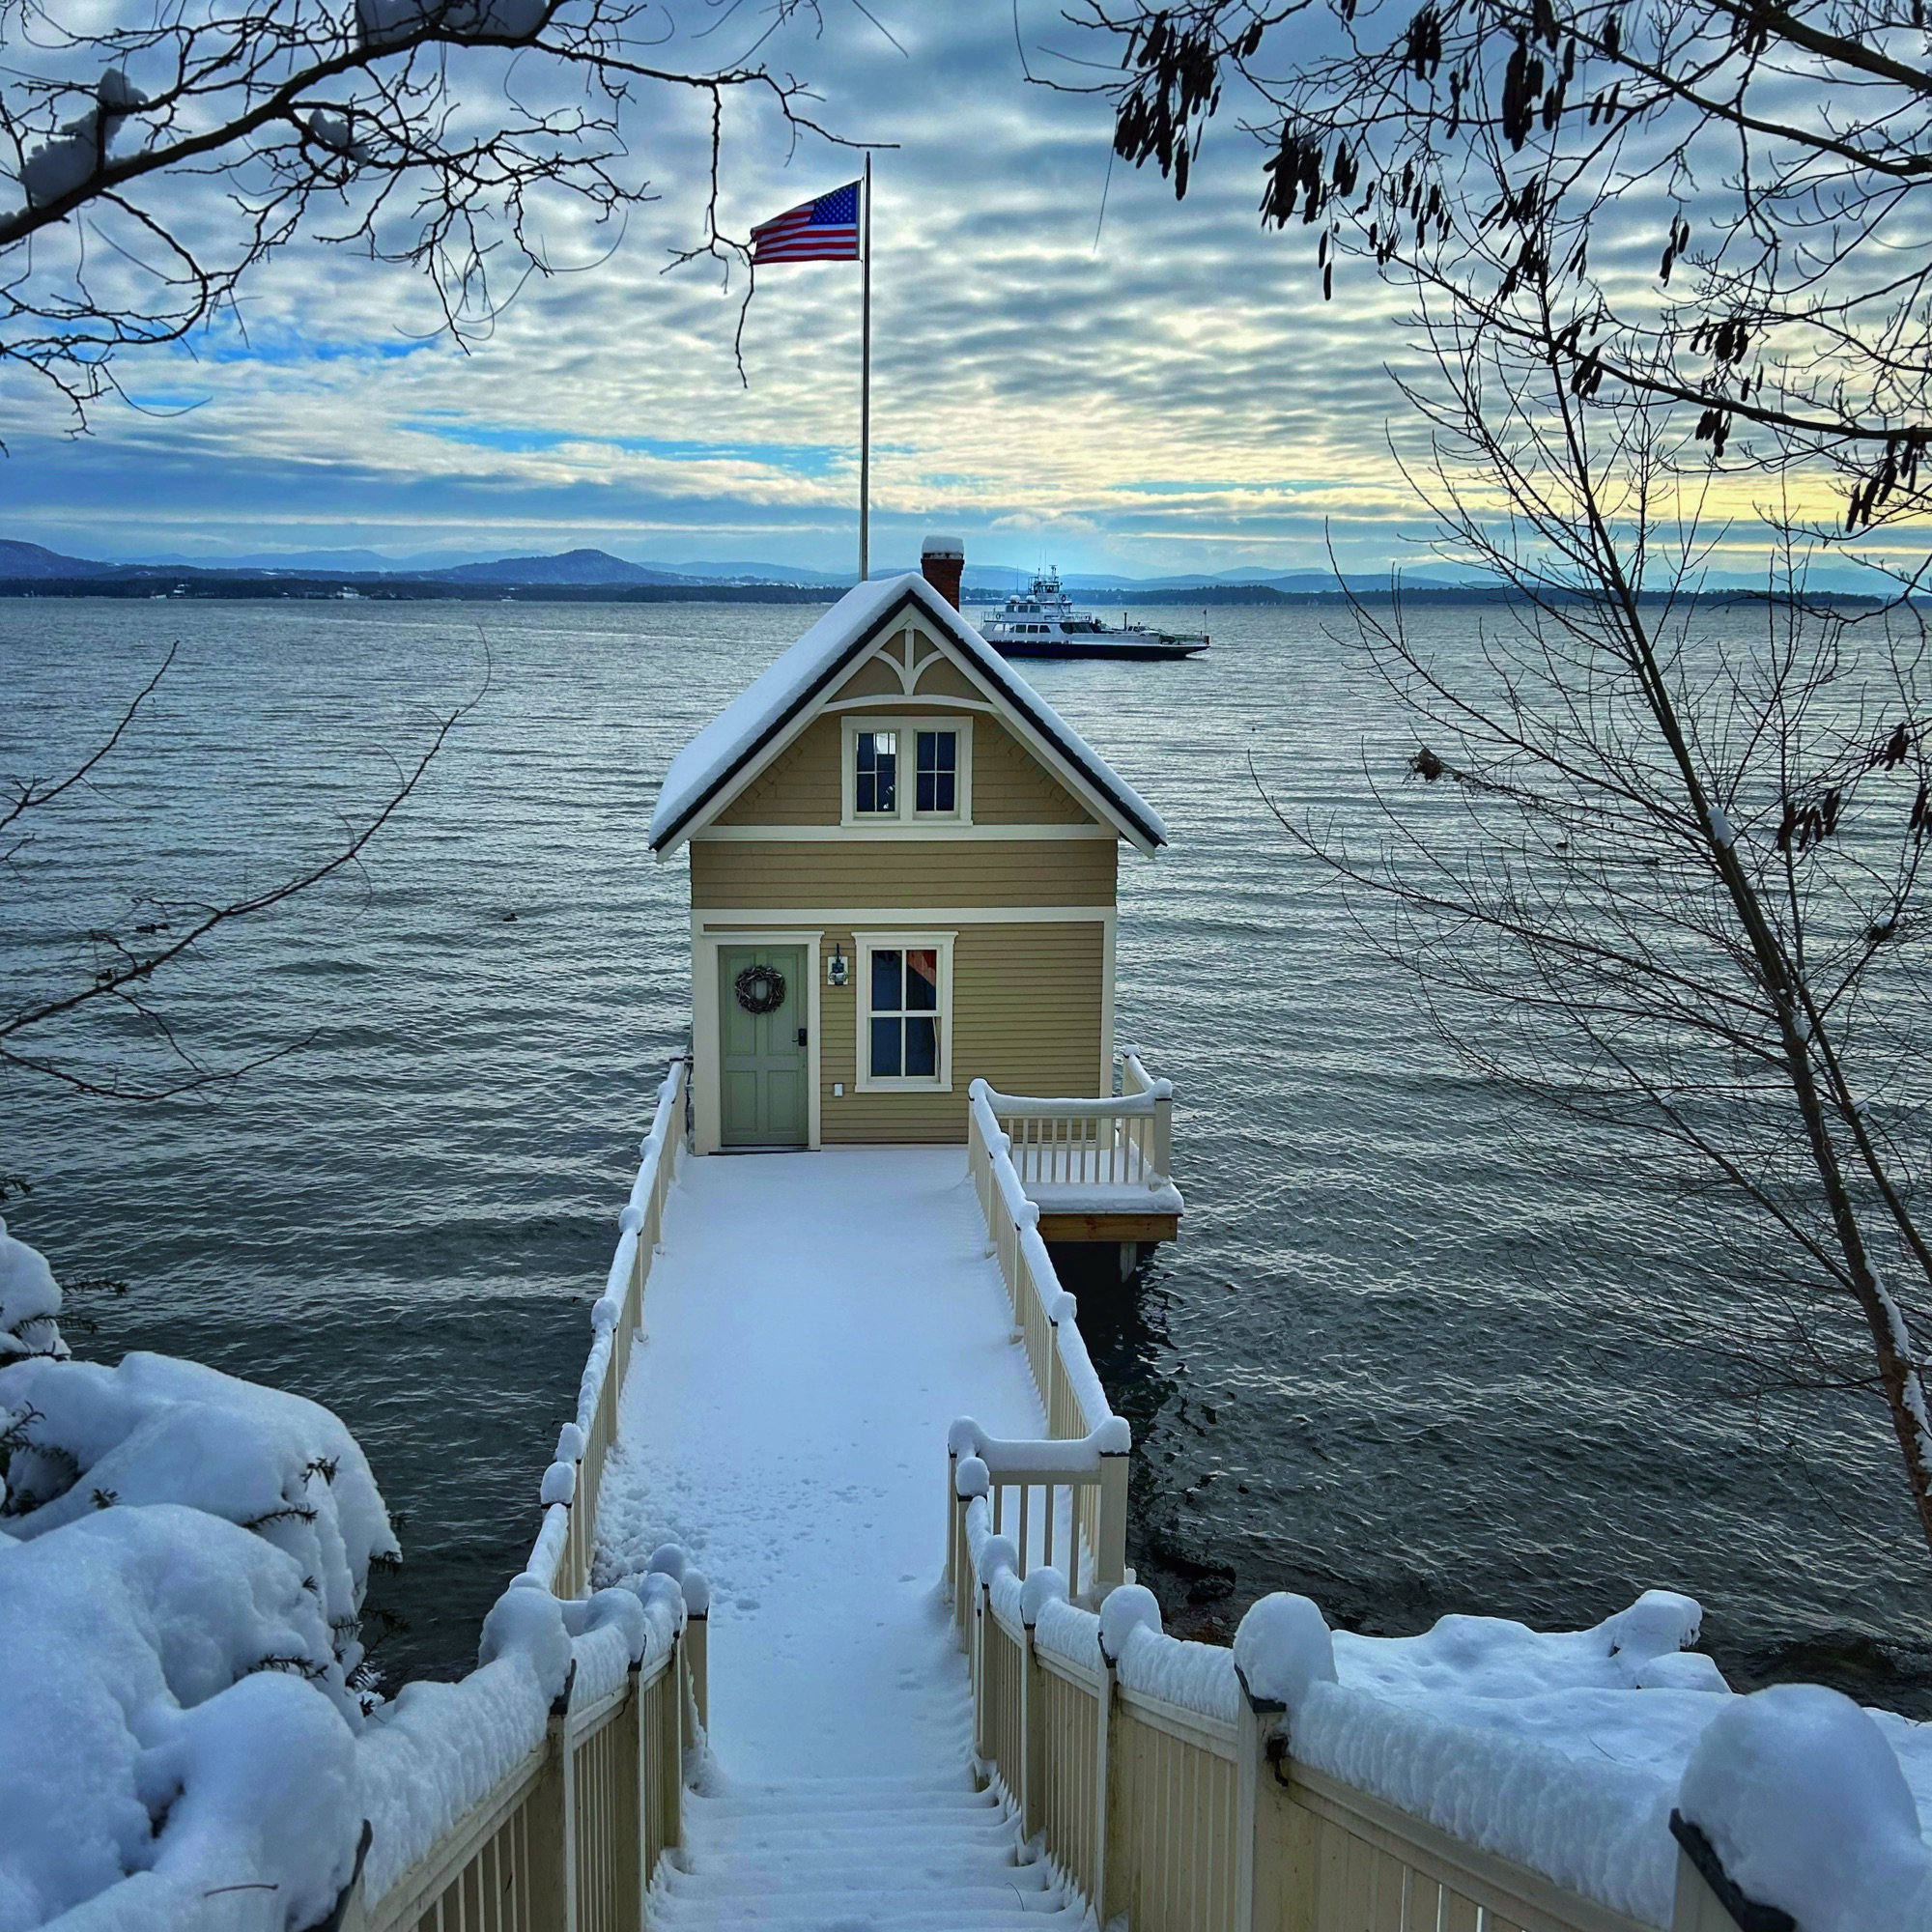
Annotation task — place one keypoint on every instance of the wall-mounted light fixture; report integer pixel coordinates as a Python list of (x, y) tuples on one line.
[(838, 967)]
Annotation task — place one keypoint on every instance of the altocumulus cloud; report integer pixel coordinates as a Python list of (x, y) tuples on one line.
[(1175, 397)]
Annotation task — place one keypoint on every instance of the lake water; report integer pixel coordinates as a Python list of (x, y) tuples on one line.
[(1417, 1351)]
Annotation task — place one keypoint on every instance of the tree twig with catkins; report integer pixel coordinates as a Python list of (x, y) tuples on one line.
[(95, 1020), (1661, 869)]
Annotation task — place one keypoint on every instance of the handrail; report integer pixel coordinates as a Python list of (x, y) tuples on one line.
[(1169, 1795), (573, 1831), (1118, 1106), (1105, 1147), (560, 1559), (1087, 1446)]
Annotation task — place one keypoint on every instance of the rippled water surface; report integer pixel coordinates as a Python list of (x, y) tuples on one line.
[(1415, 1353)]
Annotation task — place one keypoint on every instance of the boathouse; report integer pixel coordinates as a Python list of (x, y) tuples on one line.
[(903, 880)]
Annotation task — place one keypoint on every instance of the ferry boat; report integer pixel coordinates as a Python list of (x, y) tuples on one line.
[(1042, 621)]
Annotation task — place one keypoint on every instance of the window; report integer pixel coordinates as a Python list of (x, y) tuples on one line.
[(938, 776), (904, 1039), (905, 773), (875, 779)]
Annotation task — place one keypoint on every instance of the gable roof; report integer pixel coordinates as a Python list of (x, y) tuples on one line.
[(707, 770)]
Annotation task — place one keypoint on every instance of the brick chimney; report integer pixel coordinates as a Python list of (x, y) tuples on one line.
[(942, 562)]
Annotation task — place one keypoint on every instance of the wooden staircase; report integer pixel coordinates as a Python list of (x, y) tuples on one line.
[(853, 1854)]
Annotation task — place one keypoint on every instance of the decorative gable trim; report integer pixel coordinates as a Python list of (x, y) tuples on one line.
[(1044, 735)]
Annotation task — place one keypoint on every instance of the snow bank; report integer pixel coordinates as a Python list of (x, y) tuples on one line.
[(174, 1711), (156, 1430), (1805, 1804), (30, 1300), (761, 711)]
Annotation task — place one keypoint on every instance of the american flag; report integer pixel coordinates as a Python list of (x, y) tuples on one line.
[(825, 230)]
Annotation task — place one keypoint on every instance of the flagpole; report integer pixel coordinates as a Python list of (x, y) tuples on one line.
[(865, 388)]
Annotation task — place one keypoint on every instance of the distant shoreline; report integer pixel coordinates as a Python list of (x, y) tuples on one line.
[(172, 588)]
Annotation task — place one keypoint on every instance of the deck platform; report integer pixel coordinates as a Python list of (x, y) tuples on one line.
[(816, 1321)]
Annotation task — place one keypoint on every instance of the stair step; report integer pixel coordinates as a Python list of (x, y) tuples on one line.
[(777, 1878), (886, 1912), (726, 1857), (885, 1833), (856, 1855), (790, 1800)]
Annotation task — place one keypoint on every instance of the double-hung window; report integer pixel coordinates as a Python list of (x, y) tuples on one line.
[(907, 984), (875, 775), (936, 777), (908, 771)]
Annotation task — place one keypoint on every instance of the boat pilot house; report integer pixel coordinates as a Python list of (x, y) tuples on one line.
[(903, 881)]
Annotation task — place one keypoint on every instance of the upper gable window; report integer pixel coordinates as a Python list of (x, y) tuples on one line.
[(907, 773), (937, 778)]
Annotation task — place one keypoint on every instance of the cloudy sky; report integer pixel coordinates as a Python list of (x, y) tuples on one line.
[(1162, 390)]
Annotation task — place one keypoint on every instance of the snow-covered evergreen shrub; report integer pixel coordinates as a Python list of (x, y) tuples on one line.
[(30, 1301), (174, 1714), (79, 1437)]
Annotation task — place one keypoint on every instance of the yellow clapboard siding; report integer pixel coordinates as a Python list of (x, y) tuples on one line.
[(904, 872), (1010, 786), (1026, 1015), (801, 785)]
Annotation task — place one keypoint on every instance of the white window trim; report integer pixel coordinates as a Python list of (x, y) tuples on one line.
[(851, 725), (865, 944)]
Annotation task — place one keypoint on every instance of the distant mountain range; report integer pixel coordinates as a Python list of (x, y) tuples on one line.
[(593, 567), (586, 572)]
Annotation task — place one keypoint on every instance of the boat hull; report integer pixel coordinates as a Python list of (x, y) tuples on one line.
[(1129, 648)]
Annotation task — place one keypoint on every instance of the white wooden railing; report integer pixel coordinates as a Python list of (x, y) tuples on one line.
[(1123, 1142), (568, 1838), (1188, 1812), (561, 1557), (1168, 1816), (1087, 1445)]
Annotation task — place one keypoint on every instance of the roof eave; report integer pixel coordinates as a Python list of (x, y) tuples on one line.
[(718, 797)]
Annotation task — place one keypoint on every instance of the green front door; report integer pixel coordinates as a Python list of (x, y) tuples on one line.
[(761, 1080)]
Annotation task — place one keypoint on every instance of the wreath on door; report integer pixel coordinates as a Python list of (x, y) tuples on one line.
[(760, 989)]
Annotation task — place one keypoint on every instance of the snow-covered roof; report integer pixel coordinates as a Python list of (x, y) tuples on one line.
[(759, 716)]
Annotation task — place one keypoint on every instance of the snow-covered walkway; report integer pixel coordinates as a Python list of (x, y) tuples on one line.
[(816, 1320)]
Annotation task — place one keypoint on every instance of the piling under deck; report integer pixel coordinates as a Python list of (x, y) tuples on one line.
[(816, 1321)]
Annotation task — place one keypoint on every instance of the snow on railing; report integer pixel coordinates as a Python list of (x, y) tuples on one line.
[(1479, 1774), (543, 1788), (1088, 1444), (561, 1557), (1310, 1781), (1123, 1143)]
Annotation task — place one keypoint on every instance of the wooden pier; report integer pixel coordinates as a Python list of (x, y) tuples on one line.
[(831, 1741), (859, 1701)]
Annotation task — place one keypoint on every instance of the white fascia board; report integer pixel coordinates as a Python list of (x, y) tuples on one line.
[(870, 611)]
